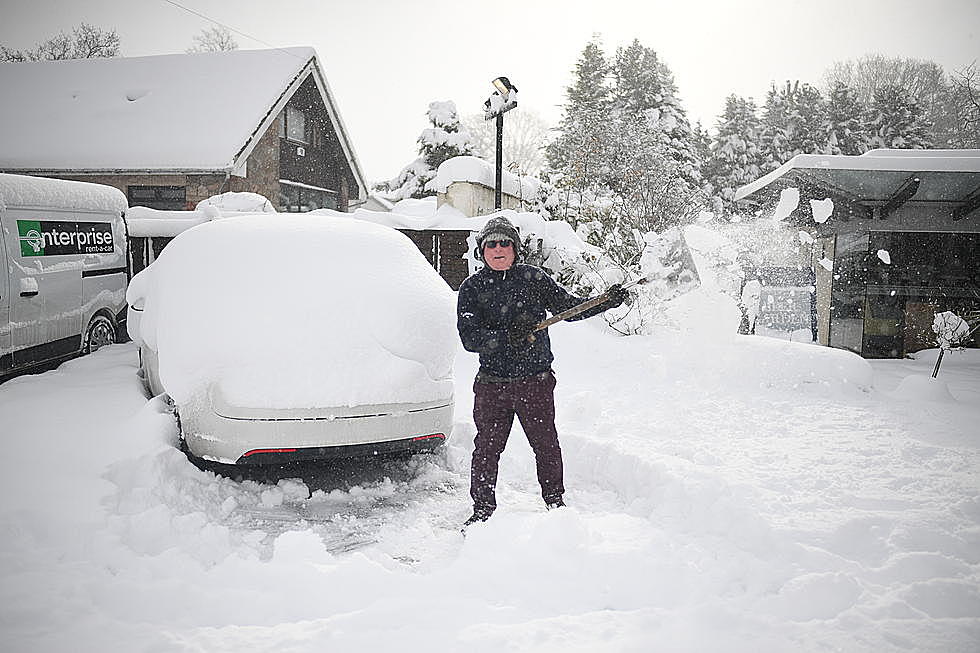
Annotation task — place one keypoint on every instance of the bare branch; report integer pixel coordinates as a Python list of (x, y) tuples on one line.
[(214, 39)]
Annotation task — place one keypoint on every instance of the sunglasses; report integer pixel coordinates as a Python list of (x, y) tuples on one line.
[(493, 244)]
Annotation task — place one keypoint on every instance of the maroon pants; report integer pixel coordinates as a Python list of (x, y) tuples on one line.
[(494, 406)]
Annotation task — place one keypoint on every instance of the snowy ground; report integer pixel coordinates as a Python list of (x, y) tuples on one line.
[(718, 503)]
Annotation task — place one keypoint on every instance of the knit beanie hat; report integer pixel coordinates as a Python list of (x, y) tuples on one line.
[(498, 228)]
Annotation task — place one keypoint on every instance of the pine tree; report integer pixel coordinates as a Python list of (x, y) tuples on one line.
[(701, 141), (586, 111), (794, 122), (626, 160), (847, 134), (644, 87), (444, 140), (735, 157), (897, 120), (590, 89)]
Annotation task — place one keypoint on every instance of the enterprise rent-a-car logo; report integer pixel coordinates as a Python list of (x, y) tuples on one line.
[(50, 238)]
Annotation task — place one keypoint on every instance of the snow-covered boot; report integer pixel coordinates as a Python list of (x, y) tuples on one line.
[(479, 515)]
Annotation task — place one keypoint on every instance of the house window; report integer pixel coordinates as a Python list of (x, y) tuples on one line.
[(299, 199), (294, 126), (164, 198)]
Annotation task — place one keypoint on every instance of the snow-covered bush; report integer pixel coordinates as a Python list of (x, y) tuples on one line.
[(950, 329), (446, 139)]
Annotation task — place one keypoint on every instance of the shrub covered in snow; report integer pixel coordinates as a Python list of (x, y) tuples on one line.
[(444, 140)]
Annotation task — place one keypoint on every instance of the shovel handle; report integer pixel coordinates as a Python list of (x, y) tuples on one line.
[(572, 312)]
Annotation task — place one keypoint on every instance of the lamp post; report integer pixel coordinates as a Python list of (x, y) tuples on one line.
[(503, 99)]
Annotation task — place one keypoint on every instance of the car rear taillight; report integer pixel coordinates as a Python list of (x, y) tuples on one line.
[(255, 451), (429, 437)]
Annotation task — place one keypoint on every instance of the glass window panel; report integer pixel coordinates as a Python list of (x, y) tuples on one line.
[(850, 279), (295, 125)]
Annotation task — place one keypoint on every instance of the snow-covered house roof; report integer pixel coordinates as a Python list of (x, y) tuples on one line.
[(180, 112), (882, 176)]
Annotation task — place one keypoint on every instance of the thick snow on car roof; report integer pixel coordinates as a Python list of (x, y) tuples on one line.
[(298, 311), (25, 191)]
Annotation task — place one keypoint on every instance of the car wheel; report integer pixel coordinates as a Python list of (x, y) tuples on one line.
[(101, 332)]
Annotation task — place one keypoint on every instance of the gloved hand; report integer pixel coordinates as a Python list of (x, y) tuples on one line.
[(519, 334), (617, 295)]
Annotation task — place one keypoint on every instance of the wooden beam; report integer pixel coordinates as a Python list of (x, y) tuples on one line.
[(848, 203), (971, 204), (902, 194)]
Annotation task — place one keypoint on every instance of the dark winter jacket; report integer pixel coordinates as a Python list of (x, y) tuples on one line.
[(492, 301)]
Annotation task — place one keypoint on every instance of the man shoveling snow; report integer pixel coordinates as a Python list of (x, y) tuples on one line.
[(498, 311)]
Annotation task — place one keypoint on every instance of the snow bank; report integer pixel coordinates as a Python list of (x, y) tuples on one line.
[(146, 222), (234, 202), (705, 513), (143, 222), (26, 191), (922, 387), (296, 311), (709, 353)]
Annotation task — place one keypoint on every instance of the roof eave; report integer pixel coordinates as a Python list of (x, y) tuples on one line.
[(910, 164), (224, 170)]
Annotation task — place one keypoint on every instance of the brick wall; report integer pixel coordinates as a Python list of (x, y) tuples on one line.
[(198, 187)]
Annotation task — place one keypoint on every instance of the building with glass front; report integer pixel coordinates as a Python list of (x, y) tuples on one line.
[(896, 240)]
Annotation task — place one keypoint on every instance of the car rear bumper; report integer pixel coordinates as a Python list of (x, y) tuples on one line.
[(261, 440), (419, 444)]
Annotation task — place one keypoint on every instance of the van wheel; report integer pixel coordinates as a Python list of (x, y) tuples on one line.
[(101, 332)]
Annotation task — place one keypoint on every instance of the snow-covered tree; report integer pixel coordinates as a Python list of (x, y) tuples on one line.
[(963, 111), (896, 120), (794, 121), (445, 139), (214, 39), (735, 158), (923, 80), (84, 42), (644, 86), (587, 106), (625, 161), (845, 113)]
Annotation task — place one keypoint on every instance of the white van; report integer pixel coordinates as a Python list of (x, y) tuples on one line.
[(63, 269)]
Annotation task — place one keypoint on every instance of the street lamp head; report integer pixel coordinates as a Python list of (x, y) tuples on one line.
[(503, 86), (503, 99)]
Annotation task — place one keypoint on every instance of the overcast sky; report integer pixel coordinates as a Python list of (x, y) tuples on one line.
[(387, 59)]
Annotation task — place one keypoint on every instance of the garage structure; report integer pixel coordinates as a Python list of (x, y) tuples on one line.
[(172, 130), (896, 240)]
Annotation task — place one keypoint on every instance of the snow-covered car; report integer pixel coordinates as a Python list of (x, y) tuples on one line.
[(281, 337)]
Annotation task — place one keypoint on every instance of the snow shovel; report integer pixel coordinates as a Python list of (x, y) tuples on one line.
[(678, 272), (584, 306)]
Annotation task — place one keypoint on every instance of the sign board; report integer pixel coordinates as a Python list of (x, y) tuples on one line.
[(785, 308), (59, 238)]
